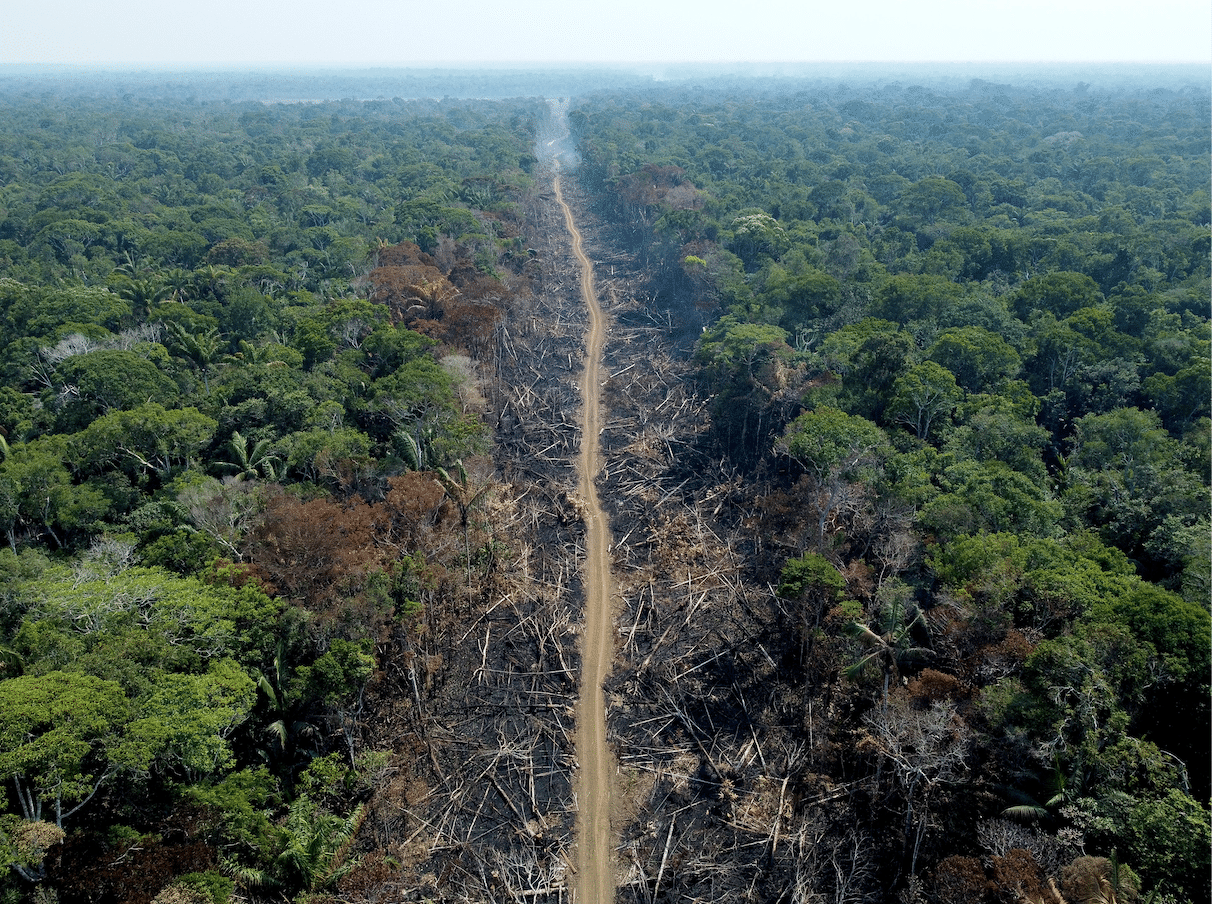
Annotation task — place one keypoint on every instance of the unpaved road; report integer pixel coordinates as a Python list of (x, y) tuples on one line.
[(595, 842)]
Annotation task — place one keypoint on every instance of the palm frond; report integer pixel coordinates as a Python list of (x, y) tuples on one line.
[(1025, 813), (865, 634), (12, 663), (266, 687), (278, 733), (251, 877), (855, 669), (410, 449)]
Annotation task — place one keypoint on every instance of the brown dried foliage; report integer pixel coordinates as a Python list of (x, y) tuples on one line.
[(460, 308), (1087, 880), (323, 553), (931, 686), (1018, 879), (960, 880), (653, 184)]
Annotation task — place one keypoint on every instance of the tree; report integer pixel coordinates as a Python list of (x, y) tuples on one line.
[(250, 459), (419, 398), (916, 302), (924, 395), (351, 320), (59, 740), (840, 350), (1169, 842), (838, 451), (129, 623), (813, 583), (313, 854), (1088, 689), (1183, 398), (149, 439), (933, 198), (322, 554), (960, 880), (311, 339), (926, 749), (203, 349), (1126, 476), (873, 370), (1044, 584), (828, 442), (755, 235), (24, 845), (990, 496), (107, 380), (803, 296), (41, 313), (978, 358), (38, 495), (733, 343), (1001, 428), (746, 365), (317, 455), (184, 724), (10, 508), (1060, 353), (1175, 628), (336, 681), (1058, 294), (222, 510), (1127, 440)]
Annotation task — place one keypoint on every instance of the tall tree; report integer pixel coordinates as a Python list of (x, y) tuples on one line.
[(59, 740)]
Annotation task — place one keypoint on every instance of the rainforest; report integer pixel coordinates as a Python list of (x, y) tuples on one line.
[(846, 439)]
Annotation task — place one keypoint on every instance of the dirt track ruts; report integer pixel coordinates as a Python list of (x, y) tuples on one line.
[(595, 841)]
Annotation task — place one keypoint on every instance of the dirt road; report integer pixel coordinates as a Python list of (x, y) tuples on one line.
[(595, 841)]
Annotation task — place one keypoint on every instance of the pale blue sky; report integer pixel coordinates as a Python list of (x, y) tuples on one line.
[(408, 32)]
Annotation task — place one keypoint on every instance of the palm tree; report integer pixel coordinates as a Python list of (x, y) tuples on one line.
[(202, 350), (414, 446), (141, 293), (209, 280), (464, 496), (250, 458), (287, 722), (313, 857), (12, 663), (251, 354), (891, 646), (179, 284), (1028, 810)]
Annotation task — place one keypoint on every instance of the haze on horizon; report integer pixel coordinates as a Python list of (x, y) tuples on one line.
[(372, 33)]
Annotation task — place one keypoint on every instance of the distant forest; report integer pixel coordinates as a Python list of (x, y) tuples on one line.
[(952, 338)]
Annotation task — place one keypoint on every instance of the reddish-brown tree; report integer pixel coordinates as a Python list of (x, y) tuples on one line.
[(339, 560), (960, 880)]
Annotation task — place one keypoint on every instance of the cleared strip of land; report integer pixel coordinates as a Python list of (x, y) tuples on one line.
[(595, 842)]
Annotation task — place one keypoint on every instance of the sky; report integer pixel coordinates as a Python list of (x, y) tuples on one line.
[(361, 33)]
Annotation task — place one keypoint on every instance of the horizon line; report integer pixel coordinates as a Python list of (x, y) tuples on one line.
[(126, 65)]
